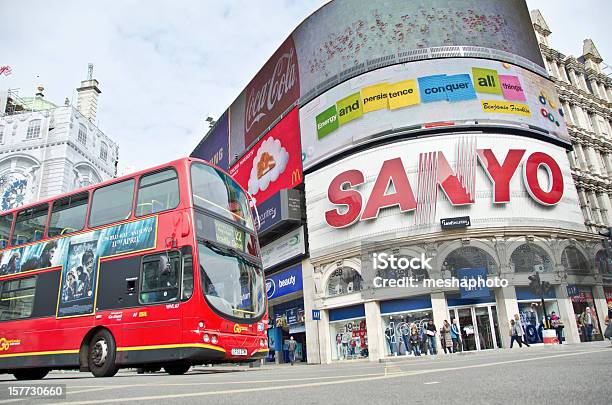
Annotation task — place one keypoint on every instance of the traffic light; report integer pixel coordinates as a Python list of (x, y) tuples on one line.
[(535, 284)]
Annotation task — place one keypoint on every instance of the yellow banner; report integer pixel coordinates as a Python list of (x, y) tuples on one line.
[(505, 107), (375, 97), (403, 94)]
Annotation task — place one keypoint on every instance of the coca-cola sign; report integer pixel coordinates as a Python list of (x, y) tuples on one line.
[(272, 91)]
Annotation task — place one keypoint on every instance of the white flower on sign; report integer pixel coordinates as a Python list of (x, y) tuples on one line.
[(270, 161)]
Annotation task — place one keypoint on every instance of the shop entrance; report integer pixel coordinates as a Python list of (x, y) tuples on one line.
[(478, 325)]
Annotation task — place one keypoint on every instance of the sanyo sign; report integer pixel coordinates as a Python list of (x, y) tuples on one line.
[(392, 187)]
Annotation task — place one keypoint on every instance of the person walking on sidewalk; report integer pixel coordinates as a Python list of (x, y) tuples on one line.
[(523, 335), (516, 333), (445, 336), (430, 331), (415, 341), (557, 324), (587, 321), (456, 336), (292, 346), (608, 332)]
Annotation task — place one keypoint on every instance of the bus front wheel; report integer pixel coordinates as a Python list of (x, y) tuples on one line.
[(177, 369), (102, 354), (31, 373)]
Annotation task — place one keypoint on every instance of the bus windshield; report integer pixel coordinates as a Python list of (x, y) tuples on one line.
[(216, 191), (231, 284)]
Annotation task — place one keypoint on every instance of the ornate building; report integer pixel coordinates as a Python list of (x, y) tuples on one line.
[(48, 149), (586, 97)]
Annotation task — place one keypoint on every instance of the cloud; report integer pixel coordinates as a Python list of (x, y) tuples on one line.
[(162, 66)]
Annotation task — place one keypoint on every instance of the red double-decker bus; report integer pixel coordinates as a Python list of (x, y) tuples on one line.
[(159, 268)]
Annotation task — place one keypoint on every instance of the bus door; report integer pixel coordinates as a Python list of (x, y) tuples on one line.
[(157, 320)]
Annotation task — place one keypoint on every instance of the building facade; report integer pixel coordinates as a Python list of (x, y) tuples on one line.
[(48, 149), (433, 135)]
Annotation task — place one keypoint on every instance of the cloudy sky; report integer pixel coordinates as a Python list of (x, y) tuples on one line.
[(163, 66)]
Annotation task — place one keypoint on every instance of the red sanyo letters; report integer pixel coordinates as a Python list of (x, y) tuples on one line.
[(341, 190)]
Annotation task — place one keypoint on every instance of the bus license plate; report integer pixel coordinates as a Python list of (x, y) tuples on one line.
[(239, 352)]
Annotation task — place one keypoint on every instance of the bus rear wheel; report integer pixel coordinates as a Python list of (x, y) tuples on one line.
[(31, 373), (102, 354), (177, 368)]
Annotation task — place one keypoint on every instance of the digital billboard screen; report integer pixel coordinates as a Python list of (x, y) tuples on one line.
[(344, 39), (391, 99)]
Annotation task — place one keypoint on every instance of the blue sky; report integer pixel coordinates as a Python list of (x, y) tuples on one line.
[(163, 66)]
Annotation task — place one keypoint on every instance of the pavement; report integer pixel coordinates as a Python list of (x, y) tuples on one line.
[(543, 374)]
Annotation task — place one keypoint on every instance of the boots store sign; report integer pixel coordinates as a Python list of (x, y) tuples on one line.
[(498, 180)]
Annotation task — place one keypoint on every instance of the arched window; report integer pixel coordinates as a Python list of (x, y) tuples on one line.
[(468, 257), (33, 129), (344, 280), (574, 261), (602, 262), (82, 136), (103, 151), (528, 258)]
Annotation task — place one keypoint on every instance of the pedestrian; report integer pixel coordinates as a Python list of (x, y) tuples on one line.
[(517, 320), (608, 332), (557, 324), (292, 345), (430, 331), (587, 321), (445, 336), (516, 333), (415, 341), (456, 336)]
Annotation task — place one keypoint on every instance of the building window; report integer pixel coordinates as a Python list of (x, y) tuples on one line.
[(82, 136), (468, 257), (574, 261), (33, 129), (528, 258), (103, 151), (1, 133), (343, 280)]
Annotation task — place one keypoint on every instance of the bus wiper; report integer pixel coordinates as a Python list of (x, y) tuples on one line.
[(231, 252)]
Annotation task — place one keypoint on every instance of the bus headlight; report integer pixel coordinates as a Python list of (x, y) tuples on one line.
[(261, 343), (206, 338), (214, 339), (201, 325)]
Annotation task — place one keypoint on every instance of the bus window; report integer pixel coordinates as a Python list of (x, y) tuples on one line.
[(30, 225), (160, 278), (157, 192), (68, 215), (6, 221), (112, 203), (187, 289), (218, 192), (17, 298)]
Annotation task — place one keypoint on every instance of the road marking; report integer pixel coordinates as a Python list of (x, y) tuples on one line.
[(324, 383), (432, 382)]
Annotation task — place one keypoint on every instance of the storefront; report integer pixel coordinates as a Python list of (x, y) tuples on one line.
[(348, 333), (398, 317), (286, 313), (477, 320), (532, 314), (583, 300)]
